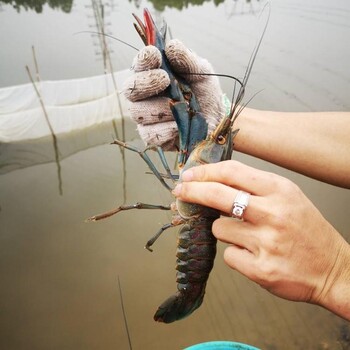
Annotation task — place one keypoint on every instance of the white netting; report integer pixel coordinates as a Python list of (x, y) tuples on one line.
[(70, 105)]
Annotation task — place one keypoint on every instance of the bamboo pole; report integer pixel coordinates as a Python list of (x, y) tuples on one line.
[(54, 138)]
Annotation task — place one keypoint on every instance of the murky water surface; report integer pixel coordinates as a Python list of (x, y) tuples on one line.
[(59, 275)]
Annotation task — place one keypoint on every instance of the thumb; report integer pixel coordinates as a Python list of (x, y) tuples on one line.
[(184, 61), (194, 70)]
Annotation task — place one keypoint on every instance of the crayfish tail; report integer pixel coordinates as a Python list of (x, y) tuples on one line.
[(180, 305)]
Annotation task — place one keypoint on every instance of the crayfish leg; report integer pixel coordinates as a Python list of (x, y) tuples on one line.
[(177, 220), (137, 205)]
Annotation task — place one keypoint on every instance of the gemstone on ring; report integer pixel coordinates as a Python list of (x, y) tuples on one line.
[(239, 204)]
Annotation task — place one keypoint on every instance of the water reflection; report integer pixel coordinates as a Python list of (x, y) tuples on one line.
[(38, 5), (160, 5), (66, 5)]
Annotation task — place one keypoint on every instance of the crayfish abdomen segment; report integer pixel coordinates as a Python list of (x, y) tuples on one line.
[(195, 259), (196, 251)]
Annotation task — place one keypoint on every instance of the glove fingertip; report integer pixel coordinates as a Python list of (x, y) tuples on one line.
[(145, 84), (185, 61), (148, 58), (160, 134)]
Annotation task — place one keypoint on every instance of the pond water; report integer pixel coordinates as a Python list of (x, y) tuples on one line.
[(59, 275)]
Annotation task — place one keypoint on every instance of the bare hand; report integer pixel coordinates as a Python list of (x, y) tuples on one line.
[(284, 243)]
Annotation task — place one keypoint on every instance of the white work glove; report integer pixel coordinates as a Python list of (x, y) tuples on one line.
[(155, 122)]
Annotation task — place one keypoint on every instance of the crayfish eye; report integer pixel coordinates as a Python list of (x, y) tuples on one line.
[(221, 140)]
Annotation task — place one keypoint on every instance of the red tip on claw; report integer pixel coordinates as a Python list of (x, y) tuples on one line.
[(150, 27)]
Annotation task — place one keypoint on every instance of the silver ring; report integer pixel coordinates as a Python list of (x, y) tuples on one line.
[(239, 204)]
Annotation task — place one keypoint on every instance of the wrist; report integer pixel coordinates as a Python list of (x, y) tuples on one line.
[(335, 294), (251, 131)]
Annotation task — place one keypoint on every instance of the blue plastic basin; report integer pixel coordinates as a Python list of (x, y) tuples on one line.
[(221, 345)]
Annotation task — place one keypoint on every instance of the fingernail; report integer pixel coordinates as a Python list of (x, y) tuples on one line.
[(177, 190), (187, 175)]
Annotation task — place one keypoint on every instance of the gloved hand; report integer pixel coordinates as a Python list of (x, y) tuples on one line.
[(151, 112)]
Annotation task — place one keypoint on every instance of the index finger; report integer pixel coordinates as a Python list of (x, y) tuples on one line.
[(148, 58), (221, 197), (234, 174), (145, 84)]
